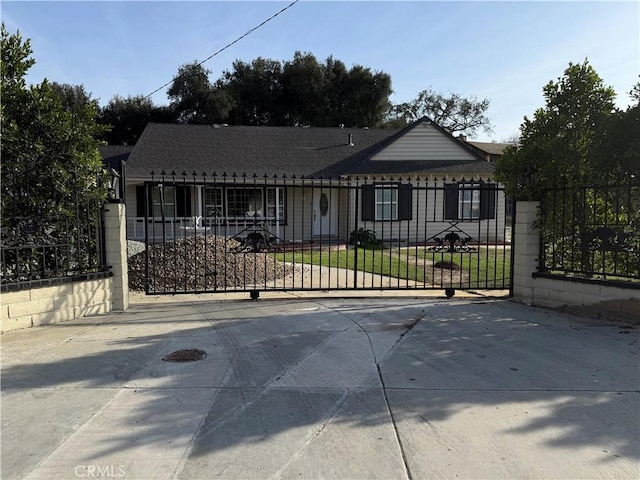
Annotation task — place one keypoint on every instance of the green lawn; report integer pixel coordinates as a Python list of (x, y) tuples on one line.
[(489, 267), (485, 268)]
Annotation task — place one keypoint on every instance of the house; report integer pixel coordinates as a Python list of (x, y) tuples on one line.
[(302, 184), (490, 151)]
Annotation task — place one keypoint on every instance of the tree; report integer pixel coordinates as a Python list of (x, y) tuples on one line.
[(618, 152), (50, 154), (455, 113), (301, 92), (194, 99), (560, 144), (578, 148), (73, 97), (635, 93), (256, 90), (128, 117), (366, 97), (50, 192), (328, 95), (304, 91)]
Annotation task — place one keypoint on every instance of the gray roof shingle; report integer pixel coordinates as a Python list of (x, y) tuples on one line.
[(309, 152), (490, 147)]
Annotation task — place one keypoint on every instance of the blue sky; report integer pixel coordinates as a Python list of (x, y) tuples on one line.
[(504, 51)]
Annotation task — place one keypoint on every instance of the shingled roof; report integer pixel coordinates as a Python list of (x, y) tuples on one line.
[(308, 152), (490, 148), (113, 154)]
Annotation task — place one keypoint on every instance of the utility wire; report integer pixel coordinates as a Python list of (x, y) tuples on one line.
[(249, 32)]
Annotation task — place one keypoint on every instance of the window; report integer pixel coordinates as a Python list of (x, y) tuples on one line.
[(469, 201), (217, 202), (266, 203), (213, 204), (169, 207), (177, 201), (386, 203), (275, 203), (244, 202)]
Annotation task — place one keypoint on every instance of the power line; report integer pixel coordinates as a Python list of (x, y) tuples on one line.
[(249, 32)]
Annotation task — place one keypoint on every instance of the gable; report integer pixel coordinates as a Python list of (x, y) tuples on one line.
[(424, 142)]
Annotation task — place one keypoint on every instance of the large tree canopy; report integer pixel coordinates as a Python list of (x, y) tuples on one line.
[(194, 99), (128, 117), (256, 90), (619, 150), (50, 155), (299, 92), (73, 97), (562, 142), (577, 157), (455, 113)]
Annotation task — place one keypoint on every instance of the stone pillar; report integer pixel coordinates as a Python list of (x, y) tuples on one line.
[(115, 223), (526, 245)]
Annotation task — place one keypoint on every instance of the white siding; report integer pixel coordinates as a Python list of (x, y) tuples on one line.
[(424, 142), (428, 220), (427, 217)]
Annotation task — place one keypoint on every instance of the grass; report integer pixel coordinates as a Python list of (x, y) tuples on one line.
[(488, 267)]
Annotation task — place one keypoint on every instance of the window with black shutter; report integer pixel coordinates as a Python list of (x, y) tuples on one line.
[(488, 201), (368, 193), (469, 201), (182, 201), (168, 201), (140, 201), (405, 201), (387, 202)]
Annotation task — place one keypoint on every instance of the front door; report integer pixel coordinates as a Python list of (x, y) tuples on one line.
[(325, 211)]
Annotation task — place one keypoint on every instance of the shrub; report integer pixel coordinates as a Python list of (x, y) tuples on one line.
[(365, 238)]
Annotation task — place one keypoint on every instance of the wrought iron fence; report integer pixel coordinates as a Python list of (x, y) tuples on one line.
[(591, 231), (38, 247), (256, 233)]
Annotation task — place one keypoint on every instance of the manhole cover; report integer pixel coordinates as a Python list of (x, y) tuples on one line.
[(190, 355)]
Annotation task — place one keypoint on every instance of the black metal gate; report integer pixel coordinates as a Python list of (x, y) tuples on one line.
[(234, 233)]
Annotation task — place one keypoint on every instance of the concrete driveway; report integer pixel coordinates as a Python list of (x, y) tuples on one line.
[(387, 388)]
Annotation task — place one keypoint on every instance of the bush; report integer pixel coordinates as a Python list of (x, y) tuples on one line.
[(365, 238)]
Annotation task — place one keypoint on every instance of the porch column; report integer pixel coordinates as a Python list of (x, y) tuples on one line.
[(199, 202)]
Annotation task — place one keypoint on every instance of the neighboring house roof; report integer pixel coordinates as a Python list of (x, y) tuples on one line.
[(112, 155), (490, 147), (309, 152)]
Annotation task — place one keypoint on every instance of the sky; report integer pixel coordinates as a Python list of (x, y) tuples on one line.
[(506, 51)]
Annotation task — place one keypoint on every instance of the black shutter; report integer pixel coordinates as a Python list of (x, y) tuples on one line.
[(405, 201), (487, 201), (451, 201), (368, 202), (183, 201), (140, 201)]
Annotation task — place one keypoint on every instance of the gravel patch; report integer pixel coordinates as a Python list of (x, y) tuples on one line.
[(203, 263), (134, 247)]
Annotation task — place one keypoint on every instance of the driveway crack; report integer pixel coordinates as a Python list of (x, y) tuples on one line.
[(315, 434), (382, 384)]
